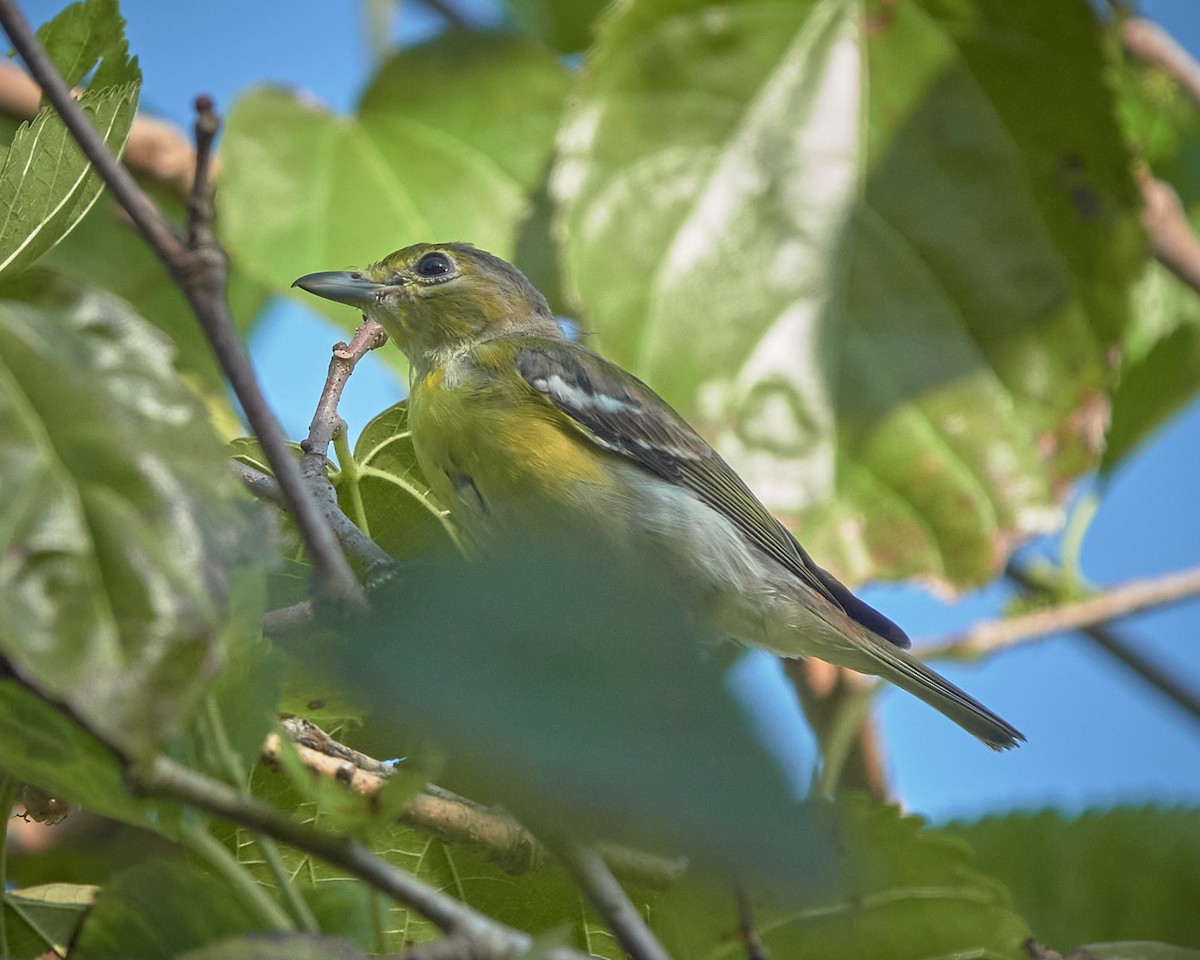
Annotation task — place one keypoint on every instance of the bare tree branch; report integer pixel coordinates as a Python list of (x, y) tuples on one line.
[(1113, 604), (1116, 647), (489, 834), (201, 274), (1174, 244), (591, 875), (361, 548), (487, 938)]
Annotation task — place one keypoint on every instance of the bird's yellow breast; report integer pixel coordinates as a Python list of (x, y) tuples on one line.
[(494, 440)]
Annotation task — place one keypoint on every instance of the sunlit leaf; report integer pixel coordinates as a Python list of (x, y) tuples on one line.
[(402, 515), (46, 183), (866, 253), (450, 142)]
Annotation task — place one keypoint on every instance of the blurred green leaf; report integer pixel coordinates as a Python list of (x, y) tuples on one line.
[(46, 184), (1123, 874), (161, 910), (904, 893), (450, 141), (122, 521), (564, 685), (565, 27), (291, 946), (866, 254), (402, 514)]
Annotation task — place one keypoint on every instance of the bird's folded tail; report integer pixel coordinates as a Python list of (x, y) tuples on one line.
[(912, 675)]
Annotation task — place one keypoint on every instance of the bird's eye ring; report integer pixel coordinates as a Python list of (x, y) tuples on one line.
[(434, 266)]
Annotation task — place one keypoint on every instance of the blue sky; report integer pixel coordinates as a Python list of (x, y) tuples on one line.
[(1097, 736)]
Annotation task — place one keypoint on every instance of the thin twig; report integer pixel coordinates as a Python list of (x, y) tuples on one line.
[(201, 274), (591, 875), (326, 422), (173, 781), (488, 834), (1116, 647), (747, 928), (288, 620), (358, 546), (1129, 598)]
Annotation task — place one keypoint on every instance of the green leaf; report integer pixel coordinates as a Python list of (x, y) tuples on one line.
[(122, 523), (450, 141), (40, 744), (46, 183), (543, 676), (565, 27), (51, 913), (905, 893), (1135, 950), (401, 512), (161, 910), (1080, 880), (1160, 368), (291, 946), (866, 253)]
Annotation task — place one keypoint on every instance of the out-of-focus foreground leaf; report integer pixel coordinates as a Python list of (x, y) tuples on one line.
[(904, 893), (566, 27), (46, 183), (866, 252), (1124, 874), (122, 521), (568, 687), (449, 142)]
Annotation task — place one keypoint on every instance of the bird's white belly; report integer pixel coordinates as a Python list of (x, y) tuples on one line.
[(739, 590)]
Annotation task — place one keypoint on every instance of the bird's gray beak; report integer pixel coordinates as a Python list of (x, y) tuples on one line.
[(351, 288)]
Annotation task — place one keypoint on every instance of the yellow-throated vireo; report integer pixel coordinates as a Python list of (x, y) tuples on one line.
[(513, 423)]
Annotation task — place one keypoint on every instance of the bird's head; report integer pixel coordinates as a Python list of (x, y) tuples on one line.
[(436, 298)]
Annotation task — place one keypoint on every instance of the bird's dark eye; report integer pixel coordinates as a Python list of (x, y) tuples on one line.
[(434, 265)]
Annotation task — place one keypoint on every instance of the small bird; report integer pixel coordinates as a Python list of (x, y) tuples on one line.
[(513, 424)]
